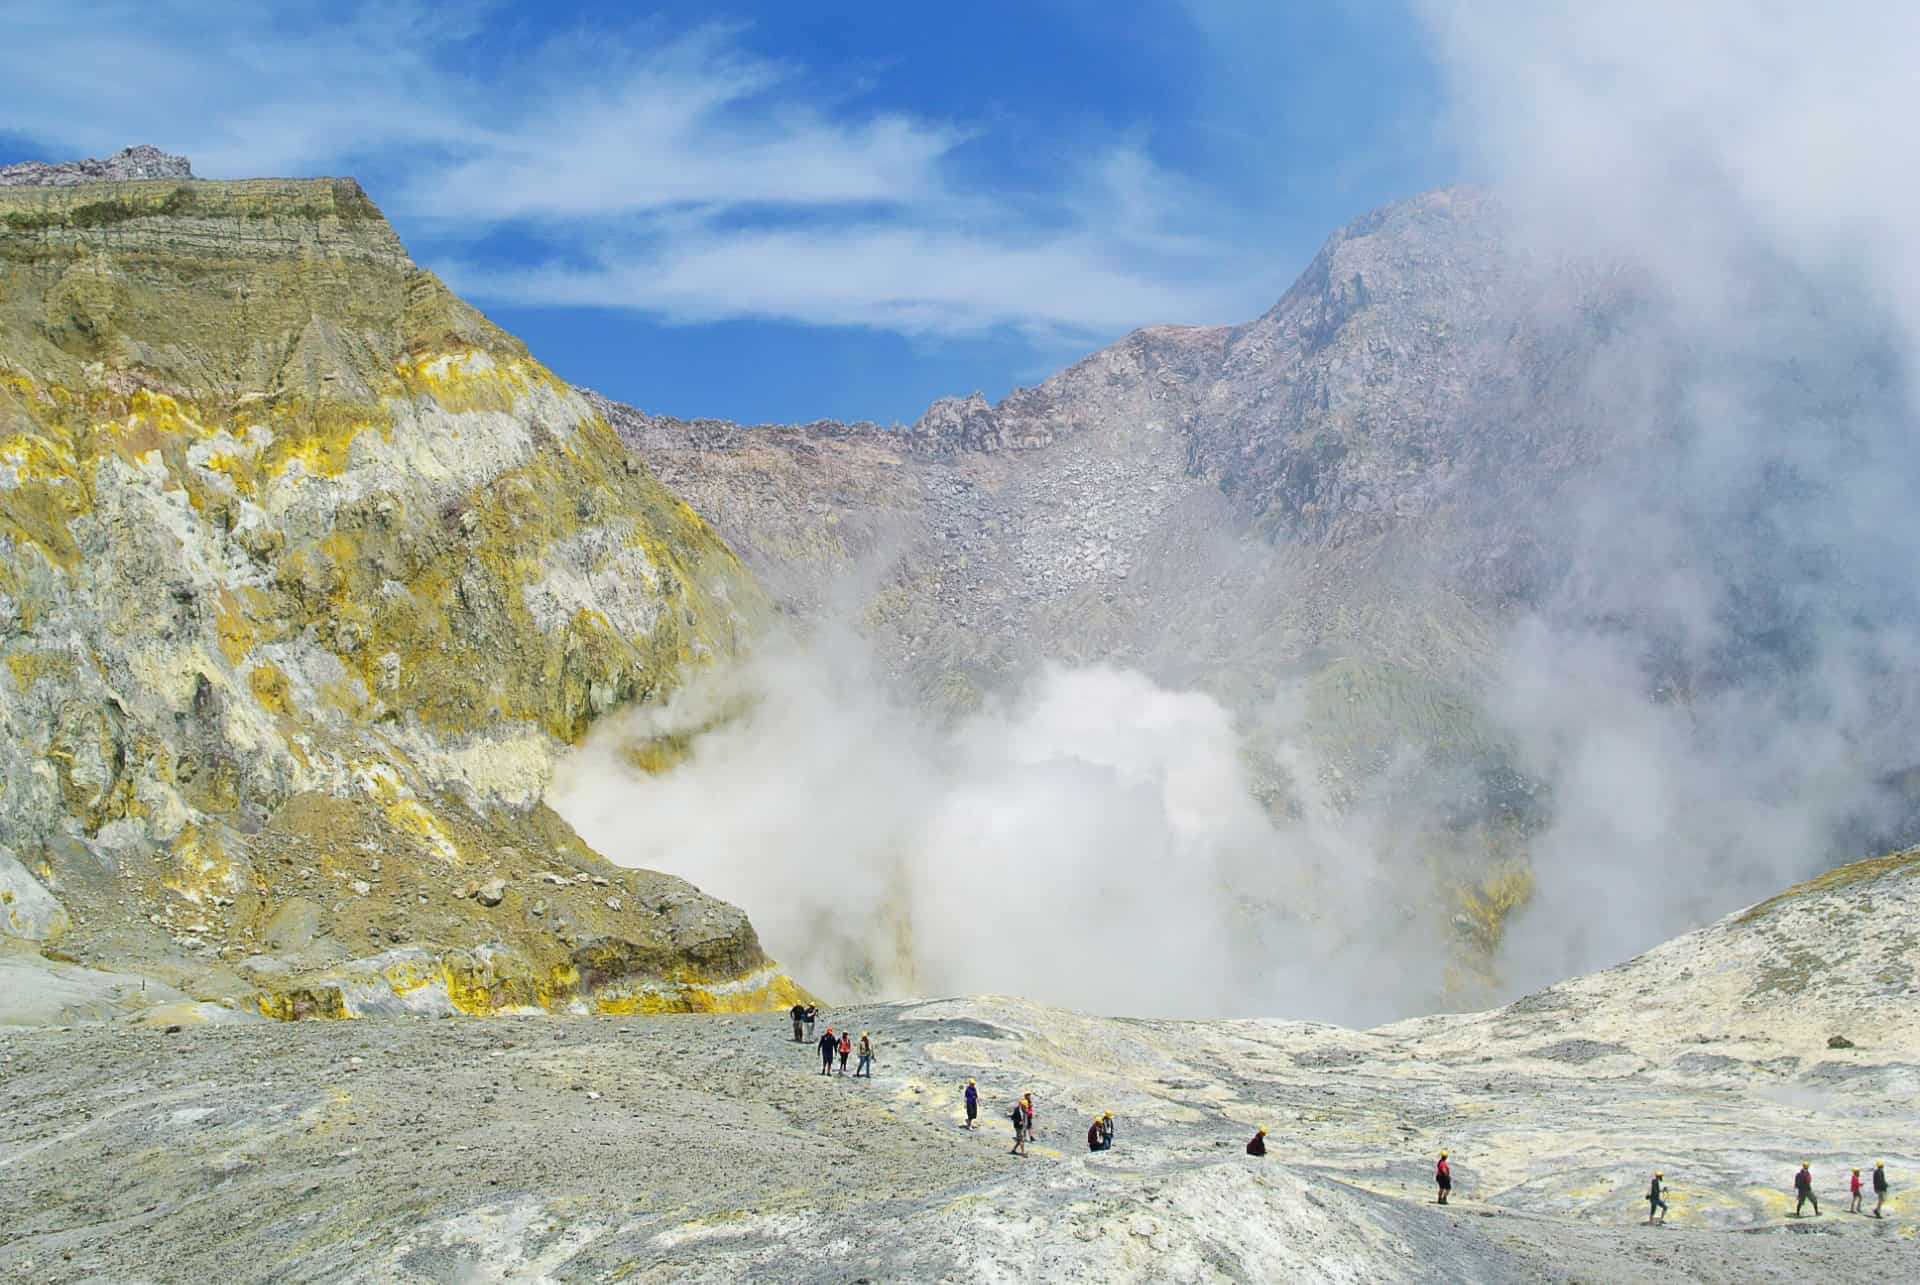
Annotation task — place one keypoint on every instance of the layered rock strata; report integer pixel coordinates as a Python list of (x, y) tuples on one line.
[(306, 572)]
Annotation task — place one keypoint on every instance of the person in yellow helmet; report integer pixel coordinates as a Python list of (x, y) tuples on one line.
[(1106, 1131), (972, 1095), (1257, 1144), (866, 1058), (1803, 1190), (1022, 1124), (1656, 1197), (1096, 1136), (1879, 1186)]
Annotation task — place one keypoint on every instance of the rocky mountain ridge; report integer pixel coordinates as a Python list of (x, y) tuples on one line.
[(129, 164), (307, 571)]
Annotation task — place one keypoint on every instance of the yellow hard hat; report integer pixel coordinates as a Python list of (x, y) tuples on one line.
[(1026, 1097), (864, 1034), (1856, 1171), (1107, 1116), (1658, 1174), (969, 1081), (1879, 1164), (1263, 1128), (1443, 1155)]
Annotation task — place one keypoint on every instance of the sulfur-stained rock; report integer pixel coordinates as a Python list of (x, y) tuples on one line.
[(27, 910), (307, 572)]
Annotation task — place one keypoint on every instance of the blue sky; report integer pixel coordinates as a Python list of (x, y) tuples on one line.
[(770, 211)]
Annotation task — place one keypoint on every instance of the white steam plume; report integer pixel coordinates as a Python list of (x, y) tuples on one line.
[(1724, 670), (1093, 842)]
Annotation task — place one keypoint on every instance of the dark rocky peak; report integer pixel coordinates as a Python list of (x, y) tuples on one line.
[(124, 166)]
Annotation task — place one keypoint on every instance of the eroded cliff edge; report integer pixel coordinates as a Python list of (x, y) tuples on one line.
[(307, 571)]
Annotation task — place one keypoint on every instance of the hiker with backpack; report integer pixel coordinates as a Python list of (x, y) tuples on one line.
[(799, 1015), (1803, 1190), (1022, 1117), (1257, 1144), (827, 1046), (1879, 1186)]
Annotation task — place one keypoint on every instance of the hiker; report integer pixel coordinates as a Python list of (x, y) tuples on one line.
[(1654, 1199), (1803, 1186), (827, 1045), (845, 1047), (1443, 1176), (1022, 1118), (799, 1015), (1257, 1144), (1853, 1187), (1879, 1186), (812, 1013), (1096, 1136), (1106, 1132), (973, 1103), (866, 1058), (1026, 1100)]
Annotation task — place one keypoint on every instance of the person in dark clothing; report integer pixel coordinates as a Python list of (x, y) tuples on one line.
[(827, 1046), (812, 1013), (1443, 1178), (1096, 1136), (1803, 1190), (972, 1096), (1106, 1132), (1654, 1200), (1257, 1144), (843, 1048), (1022, 1125), (1879, 1186), (799, 1015)]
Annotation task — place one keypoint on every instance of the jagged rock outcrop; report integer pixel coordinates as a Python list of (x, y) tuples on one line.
[(306, 572), (143, 161)]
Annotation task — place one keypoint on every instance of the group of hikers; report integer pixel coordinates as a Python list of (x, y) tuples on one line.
[(1100, 1132), (832, 1046), (1802, 1192)]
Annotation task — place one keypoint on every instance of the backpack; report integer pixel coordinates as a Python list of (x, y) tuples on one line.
[(1016, 1115)]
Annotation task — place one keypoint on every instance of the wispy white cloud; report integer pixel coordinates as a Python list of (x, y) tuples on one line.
[(672, 172)]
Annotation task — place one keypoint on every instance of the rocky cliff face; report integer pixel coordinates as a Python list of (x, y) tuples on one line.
[(306, 571), (1246, 510)]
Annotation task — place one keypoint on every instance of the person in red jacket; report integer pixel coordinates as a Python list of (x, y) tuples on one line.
[(1443, 1176), (1257, 1144), (1854, 1187), (846, 1047)]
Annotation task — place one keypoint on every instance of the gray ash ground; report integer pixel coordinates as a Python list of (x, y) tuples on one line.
[(708, 1147)]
